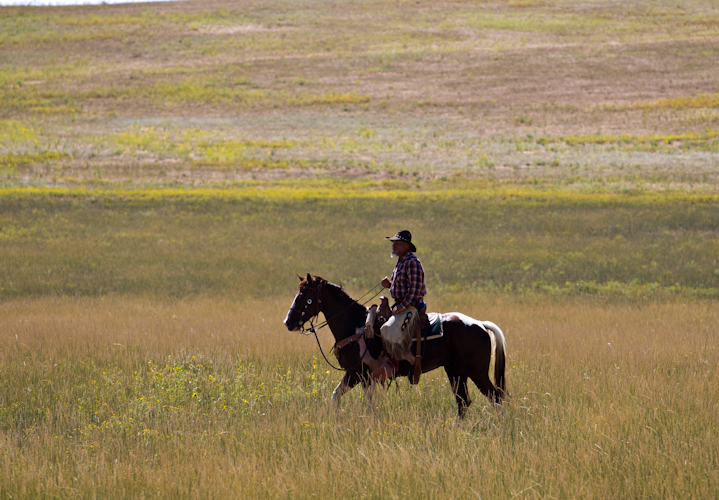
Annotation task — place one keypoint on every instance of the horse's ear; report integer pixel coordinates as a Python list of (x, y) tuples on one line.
[(300, 277), (309, 278)]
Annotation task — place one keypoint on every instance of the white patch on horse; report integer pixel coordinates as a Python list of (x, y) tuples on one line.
[(492, 331), (339, 391), (287, 318), (492, 357), (366, 356), (497, 331), (499, 337)]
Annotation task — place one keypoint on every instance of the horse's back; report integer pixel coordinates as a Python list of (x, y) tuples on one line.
[(461, 319)]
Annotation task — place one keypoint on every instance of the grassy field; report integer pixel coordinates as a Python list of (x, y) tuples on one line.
[(210, 398), (252, 241), (194, 92), (166, 169)]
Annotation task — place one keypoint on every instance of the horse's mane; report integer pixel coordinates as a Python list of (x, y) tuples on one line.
[(339, 289)]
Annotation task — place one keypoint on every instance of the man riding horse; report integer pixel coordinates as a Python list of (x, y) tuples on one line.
[(467, 348), (407, 288)]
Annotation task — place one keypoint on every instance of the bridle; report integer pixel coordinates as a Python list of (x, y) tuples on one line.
[(303, 315), (313, 329)]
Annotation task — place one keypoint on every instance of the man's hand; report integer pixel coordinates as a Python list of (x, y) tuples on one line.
[(397, 309), (386, 282)]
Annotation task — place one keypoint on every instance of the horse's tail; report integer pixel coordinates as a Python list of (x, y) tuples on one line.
[(499, 358)]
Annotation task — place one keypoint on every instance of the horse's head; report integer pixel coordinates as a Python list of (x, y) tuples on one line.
[(307, 303)]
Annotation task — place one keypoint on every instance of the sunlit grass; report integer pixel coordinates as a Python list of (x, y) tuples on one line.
[(124, 397), (15, 133), (38, 101), (706, 140), (164, 94), (22, 159), (384, 190), (192, 143), (698, 101)]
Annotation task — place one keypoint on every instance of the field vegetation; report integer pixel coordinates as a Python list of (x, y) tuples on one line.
[(166, 169), (211, 398), (250, 241)]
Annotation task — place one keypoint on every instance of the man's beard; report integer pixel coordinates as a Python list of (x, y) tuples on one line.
[(394, 255)]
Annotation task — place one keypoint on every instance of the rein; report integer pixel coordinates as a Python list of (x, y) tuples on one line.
[(312, 330)]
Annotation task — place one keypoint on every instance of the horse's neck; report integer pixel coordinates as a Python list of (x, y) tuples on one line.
[(342, 314)]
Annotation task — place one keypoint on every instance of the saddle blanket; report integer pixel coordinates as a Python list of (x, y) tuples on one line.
[(434, 330)]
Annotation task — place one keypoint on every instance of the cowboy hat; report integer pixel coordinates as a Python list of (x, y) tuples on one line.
[(403, 235)]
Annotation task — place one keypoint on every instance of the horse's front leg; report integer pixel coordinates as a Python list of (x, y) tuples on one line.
[(348, 382), (345, 385)]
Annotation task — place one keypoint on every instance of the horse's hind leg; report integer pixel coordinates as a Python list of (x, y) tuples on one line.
[(370, 392), (461, 391), (486, 387)]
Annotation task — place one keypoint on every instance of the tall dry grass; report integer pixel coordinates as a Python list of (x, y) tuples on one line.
[(202, 398)]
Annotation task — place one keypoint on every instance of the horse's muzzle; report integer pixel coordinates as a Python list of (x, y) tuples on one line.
[(291, 328)]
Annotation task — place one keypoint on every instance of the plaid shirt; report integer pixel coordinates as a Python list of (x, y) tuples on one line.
[(408, 281)]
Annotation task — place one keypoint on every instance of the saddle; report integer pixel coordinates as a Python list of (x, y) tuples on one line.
[(414, 319)]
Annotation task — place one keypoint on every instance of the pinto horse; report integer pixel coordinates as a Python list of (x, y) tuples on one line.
[(469, 349)]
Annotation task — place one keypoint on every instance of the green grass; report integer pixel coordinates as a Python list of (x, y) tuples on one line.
[(184, 242), (706, 141)]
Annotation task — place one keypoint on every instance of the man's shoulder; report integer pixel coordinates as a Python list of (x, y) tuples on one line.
[(411, 257)]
